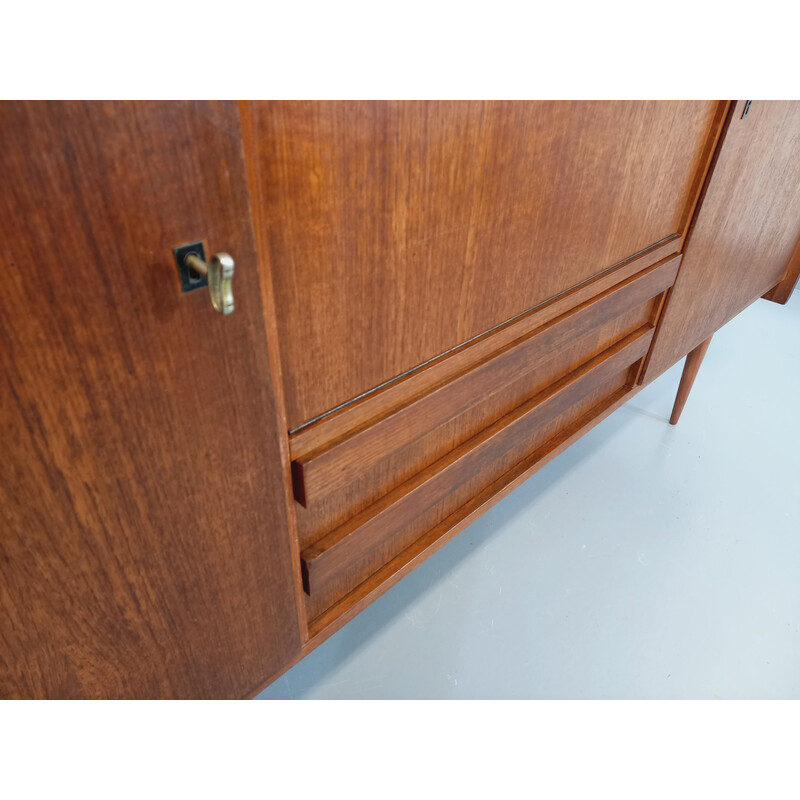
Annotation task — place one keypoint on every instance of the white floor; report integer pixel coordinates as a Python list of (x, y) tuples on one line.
[(647, 561)]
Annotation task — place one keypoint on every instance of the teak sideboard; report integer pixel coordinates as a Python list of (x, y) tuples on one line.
[(212, 462)]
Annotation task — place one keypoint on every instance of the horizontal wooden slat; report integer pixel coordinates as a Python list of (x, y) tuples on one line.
[(330, 467), (347, 549)]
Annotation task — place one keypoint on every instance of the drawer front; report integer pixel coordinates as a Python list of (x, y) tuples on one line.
[(338, 478), (338, 562)]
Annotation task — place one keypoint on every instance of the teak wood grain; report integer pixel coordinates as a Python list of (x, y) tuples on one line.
[(347, 553), (144, 548), (432, 300), (745, 232), (331, 468), (399, 230)]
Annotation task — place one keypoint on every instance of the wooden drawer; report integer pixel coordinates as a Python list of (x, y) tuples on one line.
[(346, 556), (386, 473)]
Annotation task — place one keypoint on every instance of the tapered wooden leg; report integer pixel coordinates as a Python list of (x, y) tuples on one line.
[(693, 362)]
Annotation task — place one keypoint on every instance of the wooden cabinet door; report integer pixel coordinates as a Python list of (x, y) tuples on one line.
[(144, 548), (745, 233), (397, 231)]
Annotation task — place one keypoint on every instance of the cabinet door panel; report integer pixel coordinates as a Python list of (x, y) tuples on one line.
[(399, 230), (746, 231), (143, 550)]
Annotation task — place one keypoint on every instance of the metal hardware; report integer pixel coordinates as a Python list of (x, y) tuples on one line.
[(190, 279), (746, 109), (217, 274)]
